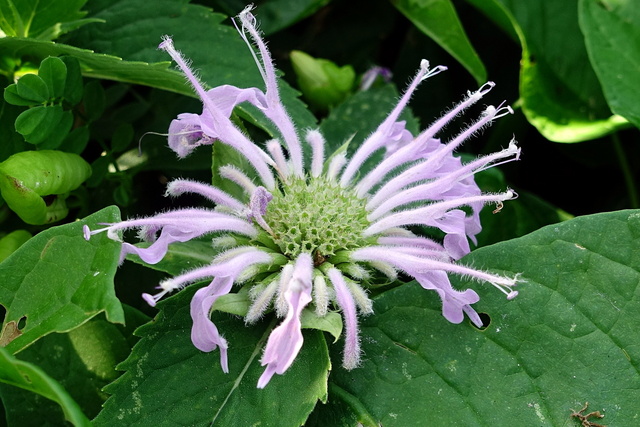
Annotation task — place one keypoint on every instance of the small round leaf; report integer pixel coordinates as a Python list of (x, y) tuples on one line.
[(32, 87), (122, 137), (73, 83), (54, 73), (41, 123), (94, 100), (12, 97)]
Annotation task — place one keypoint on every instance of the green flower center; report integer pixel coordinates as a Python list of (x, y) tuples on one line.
[(316, 216)]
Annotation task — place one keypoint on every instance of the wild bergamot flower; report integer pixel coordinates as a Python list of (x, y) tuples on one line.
[(310, 239)]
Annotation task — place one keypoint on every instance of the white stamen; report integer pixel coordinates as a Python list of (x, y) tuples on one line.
[(434, 71), (234, 174), (320, 295), (336, 164), (365, 305), (281, 303), (317, 142), (261, 302), (275, 149)]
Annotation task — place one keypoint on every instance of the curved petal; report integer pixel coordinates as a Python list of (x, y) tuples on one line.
[(185, 134), (454, 303), (204, 334), (286, 340), (351, 356)]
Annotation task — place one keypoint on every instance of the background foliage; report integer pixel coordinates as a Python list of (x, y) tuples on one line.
[(84, 83)]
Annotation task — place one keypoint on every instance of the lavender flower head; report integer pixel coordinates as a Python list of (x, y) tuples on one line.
[(308, 240)]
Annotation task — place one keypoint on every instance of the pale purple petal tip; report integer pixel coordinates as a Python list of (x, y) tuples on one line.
[(372, 74), (266, 376), (224, 361), (286, 340), (473, 316), (149, 299), (351, 355), (204, 334), (87, 232), (166, 42)]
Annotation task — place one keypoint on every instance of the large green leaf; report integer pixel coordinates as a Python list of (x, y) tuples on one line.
[(30, 377), (560, 92), (217, 51), (41, 19), (99, 65), (612, 34), (438, 20), (83, 361), (570, 337), (168, 381), (58, 280)]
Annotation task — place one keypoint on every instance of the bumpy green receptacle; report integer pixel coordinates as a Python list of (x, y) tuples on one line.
[(316, 216)]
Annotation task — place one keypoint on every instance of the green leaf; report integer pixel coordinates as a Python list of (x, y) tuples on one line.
[(94, 100), (41, 19), (12, 141), (100, 65), (83, 361), (153, 389), (46, 126), (612, 30), (323, 83), (331, 322), (76, 140), (31, 87), (570, 337), (217, 51), (195, 34), (560, 92), (438, 20), (122, 137), (73, 83), (11, 96), (558, 114), (60, 262), (30, 377), (12, 241), (54, 73)]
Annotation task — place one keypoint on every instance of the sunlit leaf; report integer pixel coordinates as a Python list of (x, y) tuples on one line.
[(41, 19), (58, 280), (438, 20), (612, 30)]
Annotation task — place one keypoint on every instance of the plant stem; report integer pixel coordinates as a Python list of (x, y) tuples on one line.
[(626, 171)]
